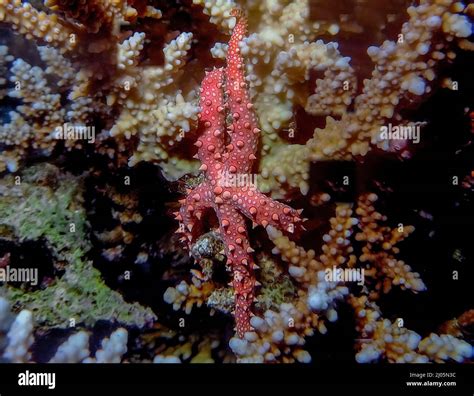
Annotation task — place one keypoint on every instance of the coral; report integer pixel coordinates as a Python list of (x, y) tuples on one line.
[(231, 203), (382, 339), (276, 287), (276, 337), (120, 208), (188, 295), (280, 334), (222, 300), (21, 337), (220, 12), (160, 119), (47, 203), (401, 71), (4, 59), (94, 15), (55, 215), (113, 85), (41, 122), (337, 250), (380, 249), (281, 54), (280, 58), (125, 213), (444, 347), (465, 324), (156, 107), (192, 349), (172, 346), (404, 72), (81, 295), (25, 19), (76, 349), (113, 348), (460, 327)]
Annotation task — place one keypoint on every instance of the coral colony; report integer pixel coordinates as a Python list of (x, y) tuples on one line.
[(231, 114)]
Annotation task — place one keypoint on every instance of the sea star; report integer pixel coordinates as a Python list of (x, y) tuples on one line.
[(226, 188)]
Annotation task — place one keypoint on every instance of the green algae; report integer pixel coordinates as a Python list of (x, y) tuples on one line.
[(272, 295), (277, 287), (43, 204)]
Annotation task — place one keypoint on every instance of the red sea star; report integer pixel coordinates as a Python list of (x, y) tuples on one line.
[(227, 189)]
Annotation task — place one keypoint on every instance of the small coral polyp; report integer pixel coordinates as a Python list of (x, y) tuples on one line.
[(232, 204)]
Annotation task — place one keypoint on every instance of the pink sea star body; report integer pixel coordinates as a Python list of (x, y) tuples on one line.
[(230, 150)]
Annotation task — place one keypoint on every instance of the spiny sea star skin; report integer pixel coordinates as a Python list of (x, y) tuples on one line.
[(232, 204), (244, 129)]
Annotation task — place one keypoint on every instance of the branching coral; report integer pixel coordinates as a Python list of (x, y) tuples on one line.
[(4, 59), (160, 119), (404, 70), (219, 12), (279, 332), (461, 327), (100, 73), (382, 339), (188, 295), (42, 121), (20, 337), (280, 335), (159, 107), (25, 19), (380, 248), (404, 73), (76, 349), (281, 56), (192, 349), (93, 15)]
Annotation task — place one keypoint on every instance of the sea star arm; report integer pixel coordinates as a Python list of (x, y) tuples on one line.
[(244, 128), (191, 211), (265, 211), (239, 258), (212, 124)]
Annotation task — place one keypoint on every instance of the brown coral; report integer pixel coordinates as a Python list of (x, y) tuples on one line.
[(380, 249)]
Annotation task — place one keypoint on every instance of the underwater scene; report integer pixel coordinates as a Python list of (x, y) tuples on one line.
[(236, 181)]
